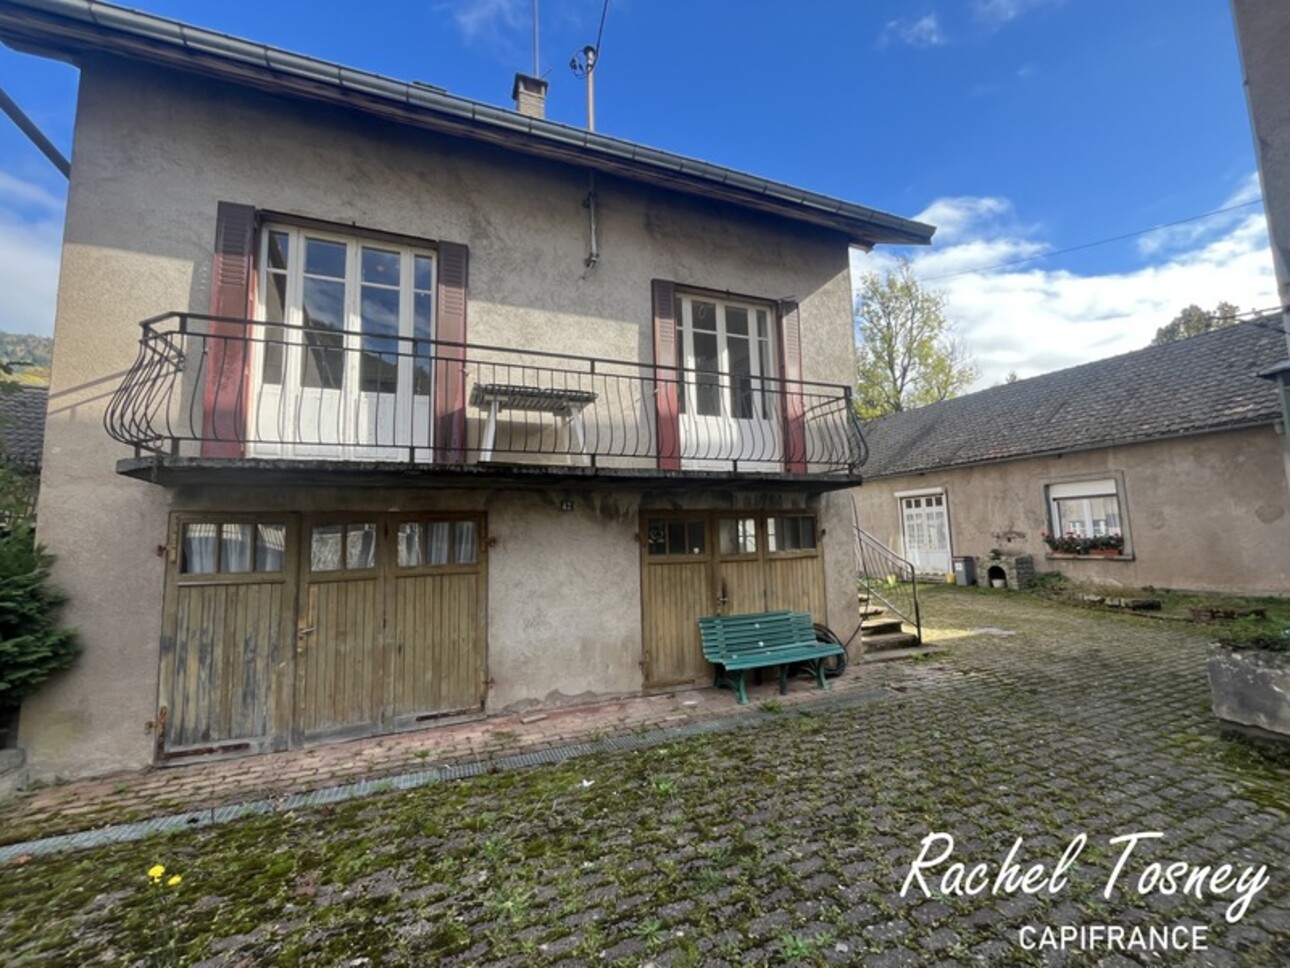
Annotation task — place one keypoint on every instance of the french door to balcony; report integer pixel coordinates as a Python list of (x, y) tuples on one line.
[(342, 360), (728, 399)]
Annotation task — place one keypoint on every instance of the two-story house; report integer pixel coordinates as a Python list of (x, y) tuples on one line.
[(375, 407)]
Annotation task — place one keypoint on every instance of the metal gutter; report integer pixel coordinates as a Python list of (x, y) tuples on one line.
[(73, 27)]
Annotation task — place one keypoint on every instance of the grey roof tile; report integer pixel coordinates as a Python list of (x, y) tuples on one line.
[(1200, 384)]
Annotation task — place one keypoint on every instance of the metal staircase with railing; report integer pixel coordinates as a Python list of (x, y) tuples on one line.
[(887, 588)]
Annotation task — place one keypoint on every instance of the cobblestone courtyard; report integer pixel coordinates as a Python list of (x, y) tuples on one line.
[(784, 839)]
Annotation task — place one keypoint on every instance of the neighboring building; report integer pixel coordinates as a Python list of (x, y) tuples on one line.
[(1263, 35), (1174, 447), (519, 402), (22, 439), (22, 425)]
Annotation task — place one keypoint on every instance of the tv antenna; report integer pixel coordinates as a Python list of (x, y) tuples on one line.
[(583, 64)]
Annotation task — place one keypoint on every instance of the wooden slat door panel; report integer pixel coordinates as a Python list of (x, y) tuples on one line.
[(796, 584), (224, 641), (340, 662), (676, 594), (438, 646), (743, 583)]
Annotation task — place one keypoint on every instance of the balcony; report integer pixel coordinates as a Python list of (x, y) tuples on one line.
[(211, 399)]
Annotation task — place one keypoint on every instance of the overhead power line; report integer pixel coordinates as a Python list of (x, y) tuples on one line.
[(1090, 245)]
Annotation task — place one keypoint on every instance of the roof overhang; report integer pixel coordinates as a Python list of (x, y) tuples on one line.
[(71, 29)]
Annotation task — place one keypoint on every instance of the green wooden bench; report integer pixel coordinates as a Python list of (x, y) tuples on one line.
[(736, 643)]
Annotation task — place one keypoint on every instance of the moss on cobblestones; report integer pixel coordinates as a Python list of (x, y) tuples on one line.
[(784, 842)]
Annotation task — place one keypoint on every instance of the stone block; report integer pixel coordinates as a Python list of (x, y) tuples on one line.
[(1251, 688)]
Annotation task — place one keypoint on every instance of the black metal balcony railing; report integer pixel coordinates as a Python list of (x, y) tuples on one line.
[(208, 386)]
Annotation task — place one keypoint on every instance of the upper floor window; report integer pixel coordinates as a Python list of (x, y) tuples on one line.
[(336, 294), (727, 355)]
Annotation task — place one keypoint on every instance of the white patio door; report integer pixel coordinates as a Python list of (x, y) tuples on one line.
[(927, 533), (729, 410), (349, 375)]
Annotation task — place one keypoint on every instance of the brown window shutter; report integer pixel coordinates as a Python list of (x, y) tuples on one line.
[(227, 359), (450, 376), (666, 361), (790, 346)]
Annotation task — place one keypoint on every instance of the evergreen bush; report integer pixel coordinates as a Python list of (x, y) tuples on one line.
[(32, 645)]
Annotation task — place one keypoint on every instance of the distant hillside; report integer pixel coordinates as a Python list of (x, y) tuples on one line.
[(26, 348)]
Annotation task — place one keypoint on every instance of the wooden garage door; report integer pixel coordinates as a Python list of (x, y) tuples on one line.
[(230, 603), (699, 563), (280, 633), (392, 632)]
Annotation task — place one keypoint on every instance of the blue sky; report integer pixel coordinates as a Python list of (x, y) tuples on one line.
[(1019, 126)]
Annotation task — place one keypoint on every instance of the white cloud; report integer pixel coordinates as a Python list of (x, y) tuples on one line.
[(490, 20), (996, 13), (921, 32), (28, 195), (1033, 319), (31, 235)]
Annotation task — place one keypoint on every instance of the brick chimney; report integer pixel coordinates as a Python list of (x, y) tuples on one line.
[(530, 95)]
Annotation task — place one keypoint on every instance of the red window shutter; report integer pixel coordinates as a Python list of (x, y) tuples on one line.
[(226, 389), (666, 360), (450, 375), (790, 346)]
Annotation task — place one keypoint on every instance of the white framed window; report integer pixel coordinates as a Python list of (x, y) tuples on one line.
[(1086, 509), (343, 353), (727, 349)]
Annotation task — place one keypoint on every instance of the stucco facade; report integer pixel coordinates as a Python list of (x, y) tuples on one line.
[(1206, 512), (157, 151)]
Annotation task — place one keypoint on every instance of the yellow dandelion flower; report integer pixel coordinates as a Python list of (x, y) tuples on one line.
[(155, 872), (174, 881)]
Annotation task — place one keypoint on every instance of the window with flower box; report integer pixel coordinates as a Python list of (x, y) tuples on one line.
[(1085, 518)]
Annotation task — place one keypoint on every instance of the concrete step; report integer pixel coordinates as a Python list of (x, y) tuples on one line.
[(891, 640), (880, 626), (870, 611), (895, 655)]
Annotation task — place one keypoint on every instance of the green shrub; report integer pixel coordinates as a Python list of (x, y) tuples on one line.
[(32, 646), (1049, 582), (1255, 633)]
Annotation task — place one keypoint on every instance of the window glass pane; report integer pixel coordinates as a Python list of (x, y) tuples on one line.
[(707, 365), (380, 267), (379, 321), (360, 546), (703, 315), (422, 278), (657, 537), (411, 545), (279, 250), (762, 328), (676, 537), (197, 556), (422, 350), (736, 321), (464, 541), (235, 548), (791, 533), (324, 359), (275, 309), (737, 536), (697, 543), (765, 367), (270, 546), (438, 543), (325, 546), (324, 258), (741, 376)]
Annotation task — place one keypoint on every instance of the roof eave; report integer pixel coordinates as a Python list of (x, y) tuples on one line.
[(68, 29)]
